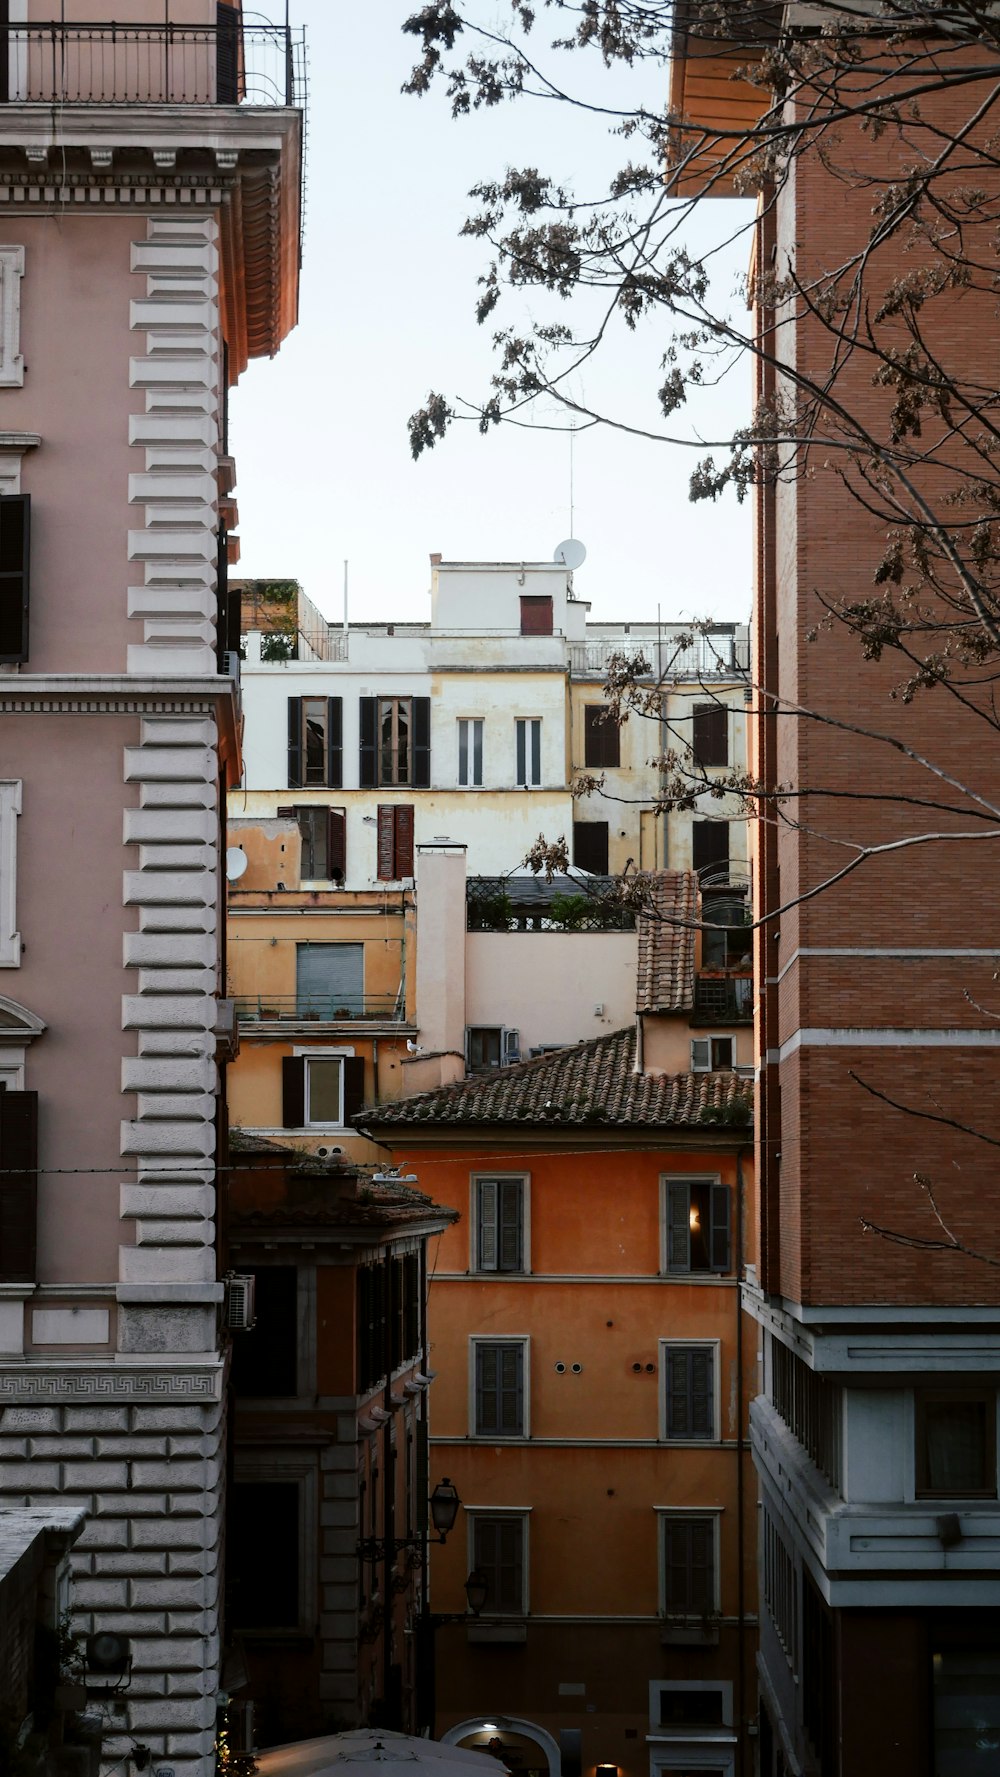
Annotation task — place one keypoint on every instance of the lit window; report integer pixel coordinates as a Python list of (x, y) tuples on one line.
[(695, 1225)]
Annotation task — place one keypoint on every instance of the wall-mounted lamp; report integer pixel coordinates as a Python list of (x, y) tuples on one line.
[(606, 1771), (477, 1591)]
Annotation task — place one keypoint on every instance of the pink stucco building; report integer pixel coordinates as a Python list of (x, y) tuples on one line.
[(149, 242)]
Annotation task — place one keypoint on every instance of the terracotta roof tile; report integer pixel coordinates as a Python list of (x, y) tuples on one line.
[(665, 970), (590, 1083)]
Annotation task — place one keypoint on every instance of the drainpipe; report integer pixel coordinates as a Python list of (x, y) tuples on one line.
[(640, 1055), (739, 1481)]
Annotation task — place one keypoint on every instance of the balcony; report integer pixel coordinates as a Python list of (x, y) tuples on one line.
[(319, 1009), (233, 62), (723, 999), (532, 904), (708, 657)]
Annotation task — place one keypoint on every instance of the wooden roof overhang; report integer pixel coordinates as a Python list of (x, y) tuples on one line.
[(712, 106)]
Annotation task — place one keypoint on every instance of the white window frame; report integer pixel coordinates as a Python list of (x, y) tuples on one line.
[(713, 1345), (311, 1054), (11, 361), (470, 723), (510, 1045), (10, 937), (688, 1178), (524, 1514), (658, 1685), (663, 1513), (524, 1178), (522, 1339), (528, 781), (708, 1067)]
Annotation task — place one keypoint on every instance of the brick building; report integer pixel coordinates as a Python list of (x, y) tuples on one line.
[(874, 1435)]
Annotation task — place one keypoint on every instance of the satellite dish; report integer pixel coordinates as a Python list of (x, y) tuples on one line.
[(236, 863), (571, 554)]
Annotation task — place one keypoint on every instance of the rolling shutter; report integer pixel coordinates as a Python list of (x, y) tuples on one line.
[(18, 1186)]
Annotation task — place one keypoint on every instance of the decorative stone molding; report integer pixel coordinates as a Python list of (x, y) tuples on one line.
[(10, 937), (12, 444), (178, 435), (89, 1382)]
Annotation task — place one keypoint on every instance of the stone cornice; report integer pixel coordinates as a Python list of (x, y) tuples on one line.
[(26, 130)]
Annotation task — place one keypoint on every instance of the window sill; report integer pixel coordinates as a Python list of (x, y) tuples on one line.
[(514, 1632), (680, 1634)]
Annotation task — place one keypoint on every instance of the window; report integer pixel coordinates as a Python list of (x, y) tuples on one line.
[(10, 937), (19, 1188), (321, 1090), (371, 1326), (689, 1409), (811, 1407), (710, 734), (689, 1564), (536, 614), (329, 980), (966, 1699), (11, 273), (601, 736), (470, 751), (690, 1703), (780, 1590), (315, 743), (395, 742), (15, 532), (711, 1055), (499, 1218), (323, 832), (262, 1554), (498, 1388), (500, 1550), (491, 1045), (590, 846), (956, 1443), (696, 1225), (710, 849), (395, 841), (528, 738), (728, 944), (265, 1360)]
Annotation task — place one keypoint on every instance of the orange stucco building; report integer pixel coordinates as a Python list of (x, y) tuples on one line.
[(592, 1375)]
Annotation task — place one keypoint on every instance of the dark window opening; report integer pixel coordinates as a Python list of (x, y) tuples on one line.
[(323, 832), (956, 1444), (691, 1709), (262, 1554), (15, 531), (18, 1186), (710, 734), (601, 736), (710, 850), (498, 1553), (697, 1225), (590, 846), (315, 743), (265, 1360)]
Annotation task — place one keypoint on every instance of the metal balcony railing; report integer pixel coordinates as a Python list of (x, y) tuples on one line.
[(242, 61), (724, 999), (709, 657), (317, 1008)]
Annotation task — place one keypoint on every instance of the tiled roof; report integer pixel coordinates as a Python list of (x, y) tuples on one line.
[(667, 930), (591, 1082)]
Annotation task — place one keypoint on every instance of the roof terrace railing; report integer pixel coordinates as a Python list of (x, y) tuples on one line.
[(231, 62), (708, 657)]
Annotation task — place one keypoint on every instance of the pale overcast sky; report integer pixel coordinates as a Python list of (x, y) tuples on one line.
[(388, 293)]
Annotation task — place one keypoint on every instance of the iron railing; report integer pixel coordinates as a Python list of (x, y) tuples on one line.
[(233, 62), (708, 657), (318, 1008), (724, 999)]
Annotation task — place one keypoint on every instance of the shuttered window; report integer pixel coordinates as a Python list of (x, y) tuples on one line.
[(536, 614), (528, 750), (710, 734), (321, 1090), (697, 1225), (18, 1186), (601, 736), (315, 743), (590, 846), (395, 841), (15, 534), (499, 1550), (470, 752), (498, 1387), (689, 1587), (689, 1384), (395, 742), (500, 1243), (323, 832), (710, 850)]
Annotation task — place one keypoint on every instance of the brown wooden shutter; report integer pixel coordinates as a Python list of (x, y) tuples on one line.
[(293, 1091), (536, 614), (601, 736), (386, 842), (336, 844), (15, 535), (368, 757), (354, 1086), (590, 846), (404, 839), (295, 777), (710, 734), (421, 777), (18, 1186)]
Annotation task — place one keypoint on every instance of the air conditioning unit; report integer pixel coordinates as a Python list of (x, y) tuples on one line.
[(238, 1315)]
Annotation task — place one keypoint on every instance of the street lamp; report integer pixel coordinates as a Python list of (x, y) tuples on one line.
[(476, 1590), (444, 1503)]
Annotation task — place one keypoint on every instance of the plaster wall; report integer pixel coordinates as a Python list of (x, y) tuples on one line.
[(549, 985), (493, 591)]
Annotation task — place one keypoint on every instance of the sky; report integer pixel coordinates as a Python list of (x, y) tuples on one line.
[(388, 294)]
